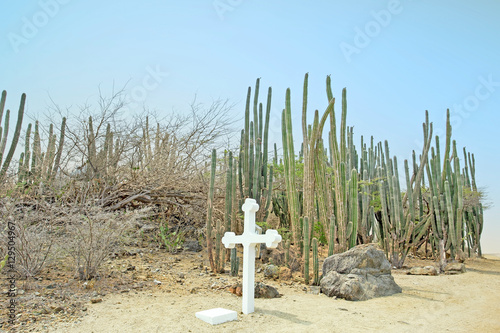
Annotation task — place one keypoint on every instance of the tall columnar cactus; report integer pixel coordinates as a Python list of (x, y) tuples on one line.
[(289, 166), (332, 236), (314, 160), (91, 150), (255, 180), (338, 152), (312, 151), (315, 261), (400, 229), (473, 211), (451, 220), (306, 249), (287, 253), (36, 157), (353, 212), (235, 262), (4, 131), (60, 148), (24, 164), (210, 204)]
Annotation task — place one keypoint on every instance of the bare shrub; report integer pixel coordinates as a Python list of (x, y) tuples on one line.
[(92, 234), (33, 234)]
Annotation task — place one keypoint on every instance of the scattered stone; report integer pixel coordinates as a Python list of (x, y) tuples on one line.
[(192, 246), (134, 252), (95, 300), (261, 290), (181, 275), (147, 228), (58, 309), (359, 274), (44, 310), (455, 268), (130, 267), (427, 270), (236, 289), (265, 291), (314, 290), (285, 273), (156, 282), (271, 271)]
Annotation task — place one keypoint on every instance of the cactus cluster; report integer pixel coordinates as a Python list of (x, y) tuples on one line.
[(4, 131), (358, 198), (247, 176), (255, 177), (334, 193), (36, 166)]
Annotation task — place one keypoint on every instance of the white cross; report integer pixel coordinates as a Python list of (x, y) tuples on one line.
[(249, 239)]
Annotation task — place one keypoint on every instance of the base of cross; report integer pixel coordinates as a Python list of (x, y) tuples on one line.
[(217, 316)]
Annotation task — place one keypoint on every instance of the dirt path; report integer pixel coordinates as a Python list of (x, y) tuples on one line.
[(468, 302)]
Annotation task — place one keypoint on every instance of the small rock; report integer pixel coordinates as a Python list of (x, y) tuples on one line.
[(58, 309), (148, 228), (427, 270), (134, 252), (455, 268), (271, 271), (95, 300), (265, 291), (236, 289), (314, 290), (156, 282), (181, 275), (192, 246), (44, 310), (285, 273)]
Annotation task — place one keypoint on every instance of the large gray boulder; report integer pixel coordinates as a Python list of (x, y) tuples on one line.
[(359, 274)]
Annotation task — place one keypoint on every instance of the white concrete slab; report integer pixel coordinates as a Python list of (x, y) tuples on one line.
[(217, 316)]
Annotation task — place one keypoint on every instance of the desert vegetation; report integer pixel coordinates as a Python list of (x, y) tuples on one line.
[(81, 188), (87, 178), (337, 195)]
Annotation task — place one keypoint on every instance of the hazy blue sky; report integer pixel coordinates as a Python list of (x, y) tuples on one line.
[(396, 58)]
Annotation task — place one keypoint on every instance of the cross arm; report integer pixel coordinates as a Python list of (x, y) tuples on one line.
[(272, 238)]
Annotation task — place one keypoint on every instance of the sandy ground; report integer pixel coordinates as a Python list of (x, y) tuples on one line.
[(468, 302)]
